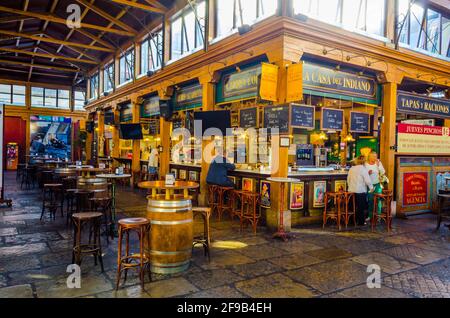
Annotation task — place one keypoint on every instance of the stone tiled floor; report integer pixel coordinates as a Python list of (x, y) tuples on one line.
[(415, 260)]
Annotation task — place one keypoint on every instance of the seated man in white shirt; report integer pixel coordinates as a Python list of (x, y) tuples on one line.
[(358, 181)]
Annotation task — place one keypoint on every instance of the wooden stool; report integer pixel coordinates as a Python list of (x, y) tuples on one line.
[(103, 205), (51, 199), (20, 170), (247, 209), (350, 200), (140, 260), (82, 199), (205, 239), (335, 212), (222, 205), (386, 199), (28, 176), (213, 198), (93, 219)]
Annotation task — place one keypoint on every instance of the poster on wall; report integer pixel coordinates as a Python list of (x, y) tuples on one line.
[(297, 201), (415, 188), (50, 136), (265, 194), (2, 118), (247, 184), (340, 186), (320, 187)]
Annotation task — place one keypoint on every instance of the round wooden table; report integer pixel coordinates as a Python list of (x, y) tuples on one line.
[(172, 226), (86, 172), (442, 198)]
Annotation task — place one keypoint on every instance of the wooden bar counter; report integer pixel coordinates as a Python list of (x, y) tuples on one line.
[(172, 225)]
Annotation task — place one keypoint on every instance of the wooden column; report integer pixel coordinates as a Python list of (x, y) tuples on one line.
[(280, 156), (388, 130), (164, 157), (100, 134), (136, 159), (115, 134), (390, 19), (207, 105)]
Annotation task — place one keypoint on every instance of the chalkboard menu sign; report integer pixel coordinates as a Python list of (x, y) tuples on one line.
[(303, 116), (332, 119), (177, 123), (248, 118), (277, 117), (359, 122)]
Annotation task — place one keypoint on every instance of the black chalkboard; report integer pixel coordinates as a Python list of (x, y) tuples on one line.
[(277, 117), (248, 118), (177, 123), (359, 122), (302, 116), (332, 119)]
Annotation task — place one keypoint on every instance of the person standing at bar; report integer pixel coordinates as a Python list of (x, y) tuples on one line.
[(153, 162), (358, 181), (376, 170)]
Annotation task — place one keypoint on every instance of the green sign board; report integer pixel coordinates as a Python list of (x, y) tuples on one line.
[(188, 97), (150, 107), (322, 79), (239, 85)]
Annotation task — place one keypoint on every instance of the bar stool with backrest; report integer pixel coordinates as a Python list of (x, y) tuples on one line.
[(385, 199), (334, 205), (140, 260), (28, 176), (224, 200), (349, 207), (246, 207), (20, 170), (92, 220), (103, 205), (51, 199), (213, 199), (205, 239)]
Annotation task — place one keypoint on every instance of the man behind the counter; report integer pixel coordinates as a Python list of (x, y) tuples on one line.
[(218, 172)]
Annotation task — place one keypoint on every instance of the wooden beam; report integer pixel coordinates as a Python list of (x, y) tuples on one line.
[(96, 38), (108, 17), (139, 6), (49, 67), (11, 70), (55, 19), (15, 18), (25, 8), (49, 56), (157, 4), (55, 41)]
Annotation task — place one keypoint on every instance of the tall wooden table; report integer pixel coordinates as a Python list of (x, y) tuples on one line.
[(172, 225)]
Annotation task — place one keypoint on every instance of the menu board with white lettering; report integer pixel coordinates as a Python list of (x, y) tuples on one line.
[(248, 118), (303, 116), (359, 122), (277, 117), (332, 119)]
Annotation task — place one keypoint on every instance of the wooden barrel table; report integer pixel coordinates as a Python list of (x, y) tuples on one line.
[(172, 226), (96, 184)]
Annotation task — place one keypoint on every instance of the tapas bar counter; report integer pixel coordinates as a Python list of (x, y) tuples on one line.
[(305, 198)]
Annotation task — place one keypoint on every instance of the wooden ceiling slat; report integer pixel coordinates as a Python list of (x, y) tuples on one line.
[(55, 19), (157, 4), (49, 56), (37, 73), (139, 6), (50, 67), (56, 41), (107, 16), (95, 38), (15, 18)]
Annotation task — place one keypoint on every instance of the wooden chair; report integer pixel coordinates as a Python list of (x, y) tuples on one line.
[(385, 199), (205, 239), (349, 207), (334, 205)]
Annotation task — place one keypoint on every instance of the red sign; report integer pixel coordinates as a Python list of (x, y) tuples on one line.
[(415, 188), (422, 130)]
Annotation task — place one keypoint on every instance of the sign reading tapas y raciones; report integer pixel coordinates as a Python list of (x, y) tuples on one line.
[(418, 104), (423, 139)]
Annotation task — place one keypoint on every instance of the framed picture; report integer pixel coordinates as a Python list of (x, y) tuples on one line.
[(285, 142), (193, 176), (174, 172), (183, 174), (340, 186), (297, 196), (320, 187), (265, 194), (248, 184)]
